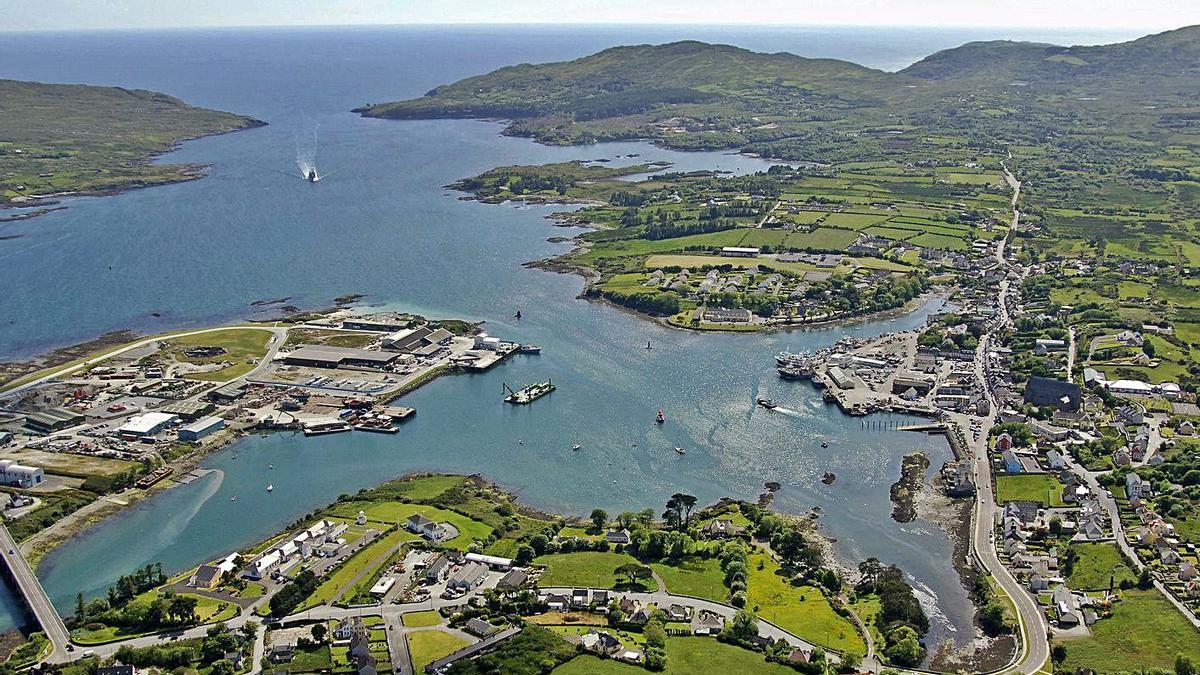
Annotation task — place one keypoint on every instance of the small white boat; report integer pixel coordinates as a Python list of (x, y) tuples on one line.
[(680, 450), (270, 488), (576, 446), (233, 498), (270, 466)]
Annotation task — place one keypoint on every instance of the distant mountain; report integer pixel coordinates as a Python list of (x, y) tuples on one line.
[(1171, 55)]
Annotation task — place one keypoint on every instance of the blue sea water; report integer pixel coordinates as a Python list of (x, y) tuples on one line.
[(381, 224)]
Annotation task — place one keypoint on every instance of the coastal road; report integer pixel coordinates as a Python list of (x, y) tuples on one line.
[(35, 596)]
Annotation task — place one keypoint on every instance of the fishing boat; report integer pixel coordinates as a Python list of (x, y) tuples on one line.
[(794, 372), (680, 450), (767, 403), (270, 488), (528, 394), (660, 417), (529, 349)]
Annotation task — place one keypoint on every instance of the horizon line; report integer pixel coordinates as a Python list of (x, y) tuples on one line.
[(1146, 29)]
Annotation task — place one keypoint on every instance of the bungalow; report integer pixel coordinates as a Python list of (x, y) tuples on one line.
[(1187, 571), (1049, 432), (708, 623), (678, 612), (515, 578), (721, 527), (207, 577), (1055, 459), (642, 615), (600, 642), (1067, 607), (479, 628), (557, 601), (617, 536), (579, 598)]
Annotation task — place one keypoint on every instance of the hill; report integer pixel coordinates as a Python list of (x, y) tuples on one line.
[(57, 138)]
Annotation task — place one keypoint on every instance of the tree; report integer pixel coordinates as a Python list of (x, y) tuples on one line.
[(599, 518), (250, 630), (656, 634), (1058, 652), (743, 627), (1184, 665), (634, 573), (525, 554), (222, 667), (681, 505), (904, 648), (539, 542), (318, 632)]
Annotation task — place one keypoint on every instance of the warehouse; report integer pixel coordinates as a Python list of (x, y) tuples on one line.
[(840, 378), (49, 421), (201, 428), (321, 356), (149, 424), (421, 340), (20, 475), (188, 410)]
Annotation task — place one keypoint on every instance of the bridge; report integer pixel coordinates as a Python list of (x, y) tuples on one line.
[(35, 596)]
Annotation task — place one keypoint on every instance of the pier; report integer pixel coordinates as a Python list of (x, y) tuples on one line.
[(34, 595)]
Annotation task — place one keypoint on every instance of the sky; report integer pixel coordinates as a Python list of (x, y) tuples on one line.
[(1147, 15)]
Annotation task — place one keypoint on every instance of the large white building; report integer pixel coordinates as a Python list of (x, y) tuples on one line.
[(148, 424), (20, 475)]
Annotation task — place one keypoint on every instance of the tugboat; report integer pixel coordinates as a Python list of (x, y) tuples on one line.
[(660, 417), (767, 403)]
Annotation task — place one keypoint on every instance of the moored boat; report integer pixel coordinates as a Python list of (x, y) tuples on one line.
[(660, 417)]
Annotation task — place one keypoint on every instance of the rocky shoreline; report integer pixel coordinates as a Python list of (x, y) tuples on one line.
[(904, 492)]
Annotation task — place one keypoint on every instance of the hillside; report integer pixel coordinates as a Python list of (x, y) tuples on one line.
[(58, 138)]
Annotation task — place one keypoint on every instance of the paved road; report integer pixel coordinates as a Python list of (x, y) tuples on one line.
[(35, 596)]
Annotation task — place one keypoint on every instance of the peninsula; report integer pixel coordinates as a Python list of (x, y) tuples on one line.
[(60, 140)]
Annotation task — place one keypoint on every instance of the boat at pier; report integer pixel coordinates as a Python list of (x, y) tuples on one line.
[(323, 427), (795, 372), (528, 394), (529, 349)]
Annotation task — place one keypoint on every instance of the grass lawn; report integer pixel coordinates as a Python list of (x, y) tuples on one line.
[(243, 348), (1096, 564), (585, 568), (802, 610), (68, 464), (1145, 631), (698, 577), (1043, 488), (427, 646), (312, 659), (395, 513), (685, 656), (421, 619), (210, 610)]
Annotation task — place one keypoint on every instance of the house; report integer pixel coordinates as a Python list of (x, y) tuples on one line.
[(799, 655), (348, 628), (1067, 607), (1185, 428), (1004, 442), (1090, 528), (627, 605), (1136, 487), (419, 524), (721, 527), (360, 645), (579, 598), (1049, 432), (282, 643), (617, 536), (557, 601), (365, 664), (1012, 463), (117, 669), (642, 615), (1170, 391), (480, 628), (678, 612), (1045, 391), (1038, 583), (437, 569), (1187, 571), (207, 577), (600, 642), (1130, 415), (515, 578), (727, 315), (708, 623), (1055, 460)]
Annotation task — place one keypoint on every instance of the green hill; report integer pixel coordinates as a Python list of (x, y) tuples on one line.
[(58, 138)]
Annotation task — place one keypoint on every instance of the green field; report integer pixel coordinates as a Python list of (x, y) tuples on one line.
[(396, 513), (697, 577), (801, 610), (585, 568), (1043, 488), (244, 347), (1097, 564), (685, 656), (421, 619), (427, 646), (1145, 631)]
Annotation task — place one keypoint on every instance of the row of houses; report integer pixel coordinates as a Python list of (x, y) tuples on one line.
[(322, 539)]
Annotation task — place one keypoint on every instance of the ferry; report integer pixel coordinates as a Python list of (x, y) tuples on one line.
[(660, 417), (528, 394), (767, 403), (529, 349)]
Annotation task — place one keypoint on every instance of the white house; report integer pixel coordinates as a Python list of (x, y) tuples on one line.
[(20, 475)]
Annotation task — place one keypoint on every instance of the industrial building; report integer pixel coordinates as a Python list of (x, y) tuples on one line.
[(50, 421), (423, 341), (148, 424), (739, 252), (188, 410), (321, 356), (20, 475), (201, 428)]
